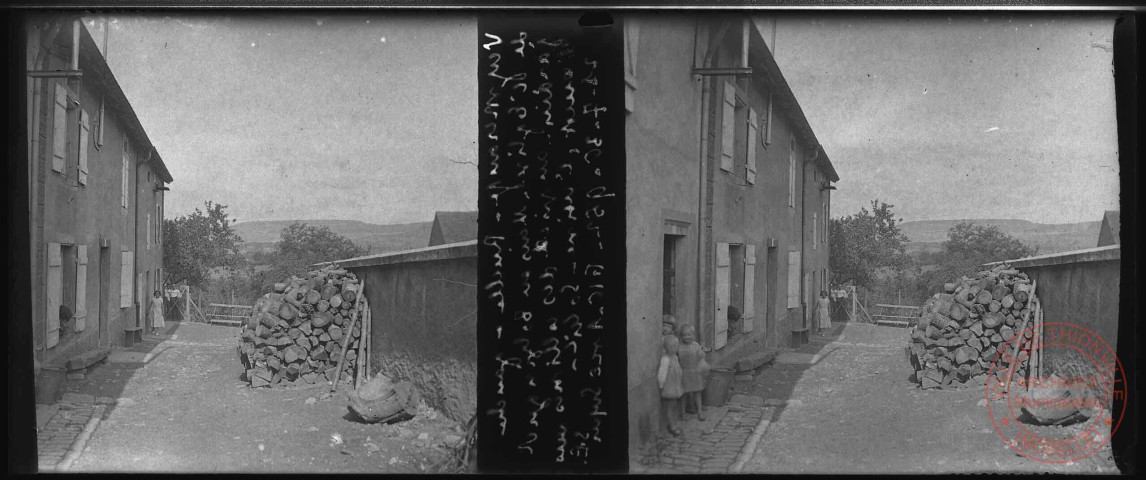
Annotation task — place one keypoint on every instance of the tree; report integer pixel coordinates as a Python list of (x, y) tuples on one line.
[(194, 244), (967, 248), (299, 247), (864, 242)]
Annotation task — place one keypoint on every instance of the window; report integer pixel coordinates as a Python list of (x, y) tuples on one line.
[(126, 271), (815, 231), (99, 123), (793, 279), (126, 175), (750, 157), (60, 130), (824, 231), (792, 172), (158, 223), (85, 131), (768, 123)]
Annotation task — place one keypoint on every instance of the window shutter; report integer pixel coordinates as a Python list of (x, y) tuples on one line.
[(85, 131), (723, 294), (60, 130), (126, 174), (148, 231), (126, 272), (793, 279), (815, 231), (792, 174), (55, 294), (99, 126), (81, 287), (768, 123), (728, 128), (749, 285), (753, 134)]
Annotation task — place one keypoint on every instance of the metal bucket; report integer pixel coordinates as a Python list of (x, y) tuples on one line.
[(48, 385), (716, 388)]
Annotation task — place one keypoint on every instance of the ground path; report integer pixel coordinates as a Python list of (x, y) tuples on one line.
[(181, 407)]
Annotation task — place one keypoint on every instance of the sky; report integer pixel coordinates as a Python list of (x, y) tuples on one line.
[(281, 117), (1001, 116), (372, 117)]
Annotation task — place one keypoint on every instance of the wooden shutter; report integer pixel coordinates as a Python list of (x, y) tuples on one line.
[(749, 285), (148, 231), (85, 131), (793, 279), (750, 159), (55, 293), (81, 287), (60, 130), (792, 173), (815, 231), (723, 294), (126, 273), (126, 177), (768, 123), (728, 128), (99, 126)]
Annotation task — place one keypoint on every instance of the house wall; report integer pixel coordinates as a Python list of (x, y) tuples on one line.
[(675, 185), (423, 319), (662, 149), (1080, 289), (65, 212)]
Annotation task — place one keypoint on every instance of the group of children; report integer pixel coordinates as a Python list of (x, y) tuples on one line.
[(682, 372)]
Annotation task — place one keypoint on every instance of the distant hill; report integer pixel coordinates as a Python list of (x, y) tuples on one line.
[(262, 235), (926, 235)]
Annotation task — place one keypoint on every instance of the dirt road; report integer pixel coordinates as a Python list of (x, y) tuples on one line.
[(184, 409), (848, 407)]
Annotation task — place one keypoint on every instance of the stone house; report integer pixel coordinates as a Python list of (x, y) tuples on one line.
[(97, 188), (728, 196)]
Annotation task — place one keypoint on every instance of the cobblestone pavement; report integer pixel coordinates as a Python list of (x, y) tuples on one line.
[(713, 446), (66, 420)]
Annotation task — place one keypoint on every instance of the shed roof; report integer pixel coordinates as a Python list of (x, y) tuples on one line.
[(426, 254), (1108, 233), (454, 227), (1098, 254)]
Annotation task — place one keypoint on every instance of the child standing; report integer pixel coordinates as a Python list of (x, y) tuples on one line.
[(694, 369), (668, 377)]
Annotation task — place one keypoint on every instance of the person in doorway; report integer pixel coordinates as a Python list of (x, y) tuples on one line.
[(693, 369), (668, 377), (66, 315), (823, 314), (156, 309)]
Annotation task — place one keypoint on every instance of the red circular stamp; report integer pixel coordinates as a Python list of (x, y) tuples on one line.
[(1077, 384)]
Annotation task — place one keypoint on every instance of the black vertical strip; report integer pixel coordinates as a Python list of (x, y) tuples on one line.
[(1126, 440), (17, 265), (551, 262)]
